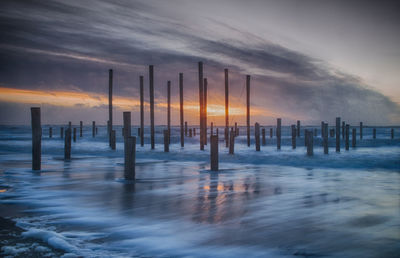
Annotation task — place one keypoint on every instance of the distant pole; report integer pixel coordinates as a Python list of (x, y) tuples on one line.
[(70, 125), (257, 135), (353, 138), (332, 132), (80, 129), (214, 152), (298, 128), (374, 133), (110, 92), (190, 132), (361, 130), (322, 130), (130, 153), (232, 142), (151, 82), (347, 131), (305, 137), (93, 129), (226, 106), (74, 136), (113, 139), (278, 133), (205, 112), (169, 110), (325, 139), (181, 107), (248, 108), (264, 142), (310, 143), (62, 132), (141, 111), (166, 139), (67, 144), (392, 133), (186, 129), (271, 133), (194, 132), (337, 134), (343, 129), (236, 129), (201, 96), (36, 138), (50, 132), (293, 127), (212, 128)]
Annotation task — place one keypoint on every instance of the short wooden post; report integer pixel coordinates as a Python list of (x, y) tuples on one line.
[(271, 133), (80, 129), (70, 125), (36, 138), (141, 85), (190, 132), (50, 132), (186, 129), (278, 133), (343, 129), (322, 129), (67, 144), (337, 134), (293, 136), (332, 133), (232, 142), (374, 133), (93, 129), (325, 140), (130, 156), (264, 142), (298, 128), (310, 143), (74, 138), (62, 132), (392, 133), (113, 138), (166, 139), (361, 130), (181, 108), (214, 152), (194, 132), (126, 116), (305, 137), (347, 132), (353, 138), (257, 136)]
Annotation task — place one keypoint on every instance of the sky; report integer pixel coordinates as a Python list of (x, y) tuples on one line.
[(311, 60)]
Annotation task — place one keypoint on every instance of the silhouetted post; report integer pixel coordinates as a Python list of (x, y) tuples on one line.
[(212, 128), (293, 136), (194, 132), (141, 111), (361, 130), (305, 137), (151, 84), (181, 107), (374, 133), (264, 142), (190, 132), (232, 142), (392, 133), (278, 133), (271, 133), (93, 129), (169, 110), (236, 129), (166, 139), (310, 143), (325, 140), (353, 138), (298, 128), (226, 134), (248, 108), (67, 144), (226, 106), (343, 129), (50, 132), (74, 135), (217, 132), (130, 153), (214, 152), (322, 129), (36, 138), (127, 124), (205, 113), (110, 92), (80, 129), (186, 129), (62, 132), (332, 132), (347, 132), (257, 136), (337, 134), (201, 98), (113, 138), (70, 125)]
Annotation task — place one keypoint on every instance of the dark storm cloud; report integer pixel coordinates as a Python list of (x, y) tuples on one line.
[(69, 45)]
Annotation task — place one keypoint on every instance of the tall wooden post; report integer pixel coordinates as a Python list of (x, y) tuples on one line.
[(337, 134), (93, 129), (50, 132), (36, 138), (310, 143), (298, 128), (278, 133), (361, 130), (257, 135), (80, 129), (169, 110), (74, 136), (110, 92), (67, 144), (214, 152), (62, 132), (166, 141), (141, 111), (181, 107), (325, 140), (353, 138), (113, 140), (248, 108), (374, 133), (293, 127), (264, 142), (226, 107), (130, 156), (236, 129), (205, 112), (151, 84), (201, 98), (232, 142), (347, 136)]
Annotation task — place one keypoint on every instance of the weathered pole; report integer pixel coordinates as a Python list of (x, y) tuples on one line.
[(169, 110), (181, 107), (36, 138), (205, 112), (214, 152), (325, 141), (353, 138), (347, 132), (236, 129), (50, 132), (278, 133), (374, 133), (74, 135), (110, 92), (293, 136), (361, 130), (67, 144), (80, 129), (201, 98), (226, 107), (190, 132), (264, 142), (232, 142), (113, 140), (151, 85), (310, 143), (130, 153), (257, 135), (141, 110), (127, 124), (186, 129), (62, 132), (337, 134), (248, 108), (166, 141), (93, 129), (298, 128)]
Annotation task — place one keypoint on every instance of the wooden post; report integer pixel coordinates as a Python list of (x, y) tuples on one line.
[(310, 143), (264, 142), (190, 132), (186, 129), (80, 129), (392, 133), (337, 134), (70, 125), (50, 132), (181, 107), (257, 135), (347, 131), (205, 113), (110, 92), (343, 129), (298, 128), (361, 130), (212, 128), (325, 139), (130, 156), (201, 96), (74, 134), (305, 137), (113, 139), (278, 133), (353, 138), (169, 110), (293, 136), (248, 108), (332, 133), (141, 111), (236, 129), (62, 132), (232, 142), (214, 152), (217, 132), (322, 130), (226, 107), (67, 144), (151, 85), (271, 132), (93, 129), (166, 139), (36, 138), (127, 124), (374, 133)]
